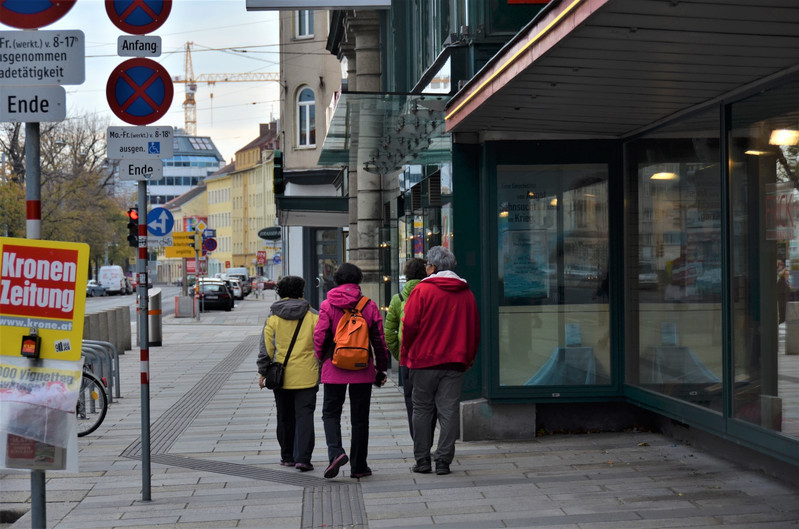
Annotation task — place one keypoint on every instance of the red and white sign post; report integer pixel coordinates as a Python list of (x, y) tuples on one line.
[(151, 97), (15, 15)]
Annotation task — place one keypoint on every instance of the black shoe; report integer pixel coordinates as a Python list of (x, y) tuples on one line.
[(422, 466), (442, 468), (332, 470)]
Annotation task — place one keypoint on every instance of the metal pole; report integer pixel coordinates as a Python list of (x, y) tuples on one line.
[(33, 230), (197, 272), (141, 288)]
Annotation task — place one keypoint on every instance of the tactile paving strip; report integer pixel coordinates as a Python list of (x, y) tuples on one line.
[(325, 503)]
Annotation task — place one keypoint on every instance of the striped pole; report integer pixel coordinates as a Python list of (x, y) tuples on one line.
[(144, 359)]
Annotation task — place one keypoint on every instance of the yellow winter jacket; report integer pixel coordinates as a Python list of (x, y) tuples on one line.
[(302, 370)]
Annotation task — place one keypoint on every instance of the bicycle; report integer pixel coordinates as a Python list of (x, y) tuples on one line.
[(92, 403)]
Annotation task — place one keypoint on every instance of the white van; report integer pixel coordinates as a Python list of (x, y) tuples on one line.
[(113, 279), (241, 273)]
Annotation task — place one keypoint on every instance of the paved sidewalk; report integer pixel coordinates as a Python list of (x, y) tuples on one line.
[(215, 463)]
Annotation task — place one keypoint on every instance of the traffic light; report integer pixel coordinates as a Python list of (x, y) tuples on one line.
[(278, 184), (196, 241), (133, 227)]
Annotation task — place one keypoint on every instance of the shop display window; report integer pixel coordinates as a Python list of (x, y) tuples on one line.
[(553, 279), (764, 189), (673, 262)]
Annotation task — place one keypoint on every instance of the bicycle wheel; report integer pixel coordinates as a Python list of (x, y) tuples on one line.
[(92, 404)]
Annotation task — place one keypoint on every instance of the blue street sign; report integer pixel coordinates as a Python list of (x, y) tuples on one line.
[(276, 259), (160, 222)]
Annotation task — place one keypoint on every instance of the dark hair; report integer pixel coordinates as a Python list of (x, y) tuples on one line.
[(347, 273), (415, 269), (290, 287)]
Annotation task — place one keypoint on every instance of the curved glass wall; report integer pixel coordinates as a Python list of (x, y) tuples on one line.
[(554, 320), (764, 188), (673, 262)]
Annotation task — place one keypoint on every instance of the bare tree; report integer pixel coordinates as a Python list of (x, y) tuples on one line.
[(79, 203)]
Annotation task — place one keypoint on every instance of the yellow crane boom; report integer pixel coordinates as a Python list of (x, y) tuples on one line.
[(189, 103)]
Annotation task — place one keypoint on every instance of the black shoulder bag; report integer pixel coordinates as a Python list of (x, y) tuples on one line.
[(275, 370)]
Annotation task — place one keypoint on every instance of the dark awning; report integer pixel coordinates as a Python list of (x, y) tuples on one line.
[(612, 68)]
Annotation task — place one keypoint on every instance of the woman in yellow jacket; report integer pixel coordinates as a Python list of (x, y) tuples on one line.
[(296, 400)]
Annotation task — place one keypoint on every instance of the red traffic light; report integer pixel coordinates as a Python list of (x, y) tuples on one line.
[(133, 214)]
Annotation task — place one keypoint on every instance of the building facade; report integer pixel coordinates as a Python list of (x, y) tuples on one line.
[(311, 206), (617, 181), (194, 159)]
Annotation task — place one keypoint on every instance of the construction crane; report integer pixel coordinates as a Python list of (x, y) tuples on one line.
[(190, 105)]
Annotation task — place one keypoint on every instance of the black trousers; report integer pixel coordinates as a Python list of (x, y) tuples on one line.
[(295, 430), (333, 403)]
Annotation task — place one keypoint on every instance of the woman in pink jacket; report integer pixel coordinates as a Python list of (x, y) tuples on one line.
[(346, 295)]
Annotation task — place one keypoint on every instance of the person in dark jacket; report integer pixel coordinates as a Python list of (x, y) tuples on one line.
[(440, 337), (337, 381), (296, 400)]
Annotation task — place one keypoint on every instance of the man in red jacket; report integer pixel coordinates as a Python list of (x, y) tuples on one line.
[(440, 336)]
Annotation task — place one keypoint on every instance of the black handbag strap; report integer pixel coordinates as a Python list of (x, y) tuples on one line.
[(293, 339)]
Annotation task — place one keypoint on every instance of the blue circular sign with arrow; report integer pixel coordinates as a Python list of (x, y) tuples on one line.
[(160, 222), (139, 91)]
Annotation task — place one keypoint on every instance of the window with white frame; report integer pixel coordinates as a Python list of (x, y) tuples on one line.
[(306, 118), (303, 23)]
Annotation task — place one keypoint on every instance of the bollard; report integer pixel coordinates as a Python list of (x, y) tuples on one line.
[(792, 328), (124, 322), (154, 323)]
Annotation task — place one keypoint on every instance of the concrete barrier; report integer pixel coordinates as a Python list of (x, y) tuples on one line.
[(123, 325), (102, 328), (112, 325), (482, 420)]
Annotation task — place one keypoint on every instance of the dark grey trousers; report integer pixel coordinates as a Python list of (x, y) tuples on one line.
[(436, 391)]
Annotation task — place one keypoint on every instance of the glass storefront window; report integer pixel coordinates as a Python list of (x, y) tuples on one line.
[(553, 274), (764, 188), (673, 262)]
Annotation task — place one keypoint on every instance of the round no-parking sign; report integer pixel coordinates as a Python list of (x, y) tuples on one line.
[(139, 91), (31, 14), (138, 17)]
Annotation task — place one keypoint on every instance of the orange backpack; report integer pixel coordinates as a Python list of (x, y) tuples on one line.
[(351, 348)]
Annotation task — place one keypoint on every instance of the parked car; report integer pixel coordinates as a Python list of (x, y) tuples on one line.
[(235, 285), (134, 283), (269, 284), (93, 288), (215, 295)]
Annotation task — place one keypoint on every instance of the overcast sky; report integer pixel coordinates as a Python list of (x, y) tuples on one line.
[(217, 28)]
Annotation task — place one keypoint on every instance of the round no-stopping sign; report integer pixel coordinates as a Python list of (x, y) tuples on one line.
[(139, 91), (31, 14), (138, 17)]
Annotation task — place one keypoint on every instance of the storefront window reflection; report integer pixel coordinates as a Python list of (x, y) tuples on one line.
[(553, 274), (764, 185), (674, 262)]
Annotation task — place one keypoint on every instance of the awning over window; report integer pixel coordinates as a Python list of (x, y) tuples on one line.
[(397, 129), (613, 68)]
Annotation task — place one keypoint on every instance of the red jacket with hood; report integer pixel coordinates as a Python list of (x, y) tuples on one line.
[(441, 324)]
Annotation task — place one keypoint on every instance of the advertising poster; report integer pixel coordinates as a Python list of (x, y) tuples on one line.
[(43, 287), (525, 264)]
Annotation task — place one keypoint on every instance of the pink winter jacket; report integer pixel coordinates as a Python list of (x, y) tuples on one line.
[(330, 312)]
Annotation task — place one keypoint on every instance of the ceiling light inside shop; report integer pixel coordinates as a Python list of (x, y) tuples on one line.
[(553, 202), (753, 152), (664, 176), (784, 137)]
